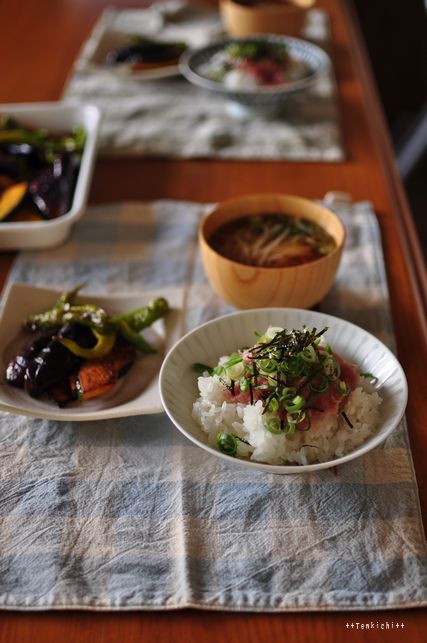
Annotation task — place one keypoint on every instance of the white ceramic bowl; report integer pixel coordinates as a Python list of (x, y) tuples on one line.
[(28, 235), (205, 344)]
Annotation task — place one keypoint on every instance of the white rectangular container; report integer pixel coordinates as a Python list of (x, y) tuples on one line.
[(54, 117)]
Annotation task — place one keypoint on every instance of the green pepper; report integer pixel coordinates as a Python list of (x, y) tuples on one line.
[(104, 345)]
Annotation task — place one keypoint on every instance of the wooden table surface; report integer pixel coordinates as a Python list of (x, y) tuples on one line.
[(39, 39)]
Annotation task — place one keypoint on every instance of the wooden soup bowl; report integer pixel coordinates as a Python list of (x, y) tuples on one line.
[(275, 17), (246, 286)]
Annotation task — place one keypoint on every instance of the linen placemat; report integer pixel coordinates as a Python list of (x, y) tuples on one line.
[(128, 514), (170, 117)]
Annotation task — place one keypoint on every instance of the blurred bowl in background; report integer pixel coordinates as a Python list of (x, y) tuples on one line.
[(305, 63), (244, 19), (246, 286)]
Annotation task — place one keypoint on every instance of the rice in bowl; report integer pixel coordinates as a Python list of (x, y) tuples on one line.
[(303, 428)]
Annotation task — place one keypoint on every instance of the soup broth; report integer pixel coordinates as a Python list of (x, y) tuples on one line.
[(272, 240)]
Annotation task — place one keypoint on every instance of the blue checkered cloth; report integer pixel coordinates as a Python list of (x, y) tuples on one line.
[(127, 514)]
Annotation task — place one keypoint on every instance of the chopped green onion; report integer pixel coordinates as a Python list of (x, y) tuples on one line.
[(268, 366), (274, 426), (243, 384), (331, 367), (198, 367), (296, 405), (235, 371), (293, 367), (290, 430), (273, 405), (287, 393), (226, 443), (309, 354), (319, 387), (302, 417), (369, 376), (343, 388)]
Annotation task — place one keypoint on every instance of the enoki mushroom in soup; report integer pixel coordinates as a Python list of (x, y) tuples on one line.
[(271, 240)]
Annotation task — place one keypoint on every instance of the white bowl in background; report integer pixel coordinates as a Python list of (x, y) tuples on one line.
[(54, 117), (264, 99), (221, 336)]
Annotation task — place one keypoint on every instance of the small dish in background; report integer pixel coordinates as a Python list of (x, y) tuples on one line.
[(244, 18), (175, 22), (248, 286), (118, 52), (256, 81), (54, 117), (134, 394), (224, 335)]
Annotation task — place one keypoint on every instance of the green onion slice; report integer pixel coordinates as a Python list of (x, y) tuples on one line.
[(226, 443), (343, 388), (268, 365), (369, 376), (243, 384), (273, 405), (198, 367), (319, 384), (274, 426), (296, 404)]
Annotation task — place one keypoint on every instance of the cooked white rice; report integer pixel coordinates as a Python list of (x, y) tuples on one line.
[(330, 438)]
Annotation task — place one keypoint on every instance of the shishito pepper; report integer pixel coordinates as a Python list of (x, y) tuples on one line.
[(145, 316), (103, 326)]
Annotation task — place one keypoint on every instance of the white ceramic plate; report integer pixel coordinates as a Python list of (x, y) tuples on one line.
[(135, 394), (54, 117), (178, 382)]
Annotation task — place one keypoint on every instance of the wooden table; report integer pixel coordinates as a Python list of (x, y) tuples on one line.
[(39, 40)]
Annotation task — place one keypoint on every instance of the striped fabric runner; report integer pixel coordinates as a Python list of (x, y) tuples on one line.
[(127, 514)]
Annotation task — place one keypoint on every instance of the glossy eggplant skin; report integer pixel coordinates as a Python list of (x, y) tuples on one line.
[(52, 189), (15, 372), (45, 361), (47, 163), (145, 52)]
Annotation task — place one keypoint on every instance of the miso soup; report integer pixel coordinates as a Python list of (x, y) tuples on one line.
[(271, 240)]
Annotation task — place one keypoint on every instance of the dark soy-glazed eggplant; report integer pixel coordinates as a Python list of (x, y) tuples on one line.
[(52, 189), (38, 171), (143, 53), (54, 361), (15, 372)]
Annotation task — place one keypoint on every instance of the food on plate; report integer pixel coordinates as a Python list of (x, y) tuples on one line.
[(289, 398), (251, 64), (38, 171), (79, 351), (144, 53), (272, 240)]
